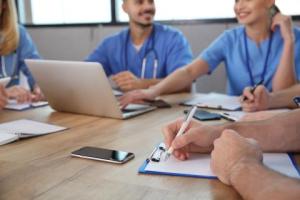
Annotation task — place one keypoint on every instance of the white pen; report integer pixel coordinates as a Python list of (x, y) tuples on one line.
[(182, 129)]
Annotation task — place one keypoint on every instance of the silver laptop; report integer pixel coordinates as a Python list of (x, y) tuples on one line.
[(80, 87)]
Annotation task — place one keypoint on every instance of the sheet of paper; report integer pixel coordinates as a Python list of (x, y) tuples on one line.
[(240, 115), (216, 100), (199, 165), (14, 105), (29, 128), (7, 138)]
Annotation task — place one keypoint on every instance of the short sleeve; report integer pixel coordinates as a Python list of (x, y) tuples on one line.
[(100, 55), (215, 53), (179, 53), (26, 50)]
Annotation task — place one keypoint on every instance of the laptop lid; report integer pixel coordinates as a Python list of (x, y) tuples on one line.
[(77, 87)]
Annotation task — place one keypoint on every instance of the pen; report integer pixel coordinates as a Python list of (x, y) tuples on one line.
[(182, 129), (253, 89)]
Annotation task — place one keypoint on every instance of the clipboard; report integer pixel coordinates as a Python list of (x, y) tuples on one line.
[(198, 165), (215, 101)]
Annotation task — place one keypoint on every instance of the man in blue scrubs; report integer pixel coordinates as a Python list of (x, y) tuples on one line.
[(143, 54)]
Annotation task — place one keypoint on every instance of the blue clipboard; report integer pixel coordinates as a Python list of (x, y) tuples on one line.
[(142, 169)]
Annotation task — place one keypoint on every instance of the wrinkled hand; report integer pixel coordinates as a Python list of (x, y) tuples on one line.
[(3, 97), (286, 26), (197, 138), (127, 81), (137, 96), (19, 93), (230, 151), (259, 100)]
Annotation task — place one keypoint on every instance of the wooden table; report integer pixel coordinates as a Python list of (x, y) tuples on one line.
[(42, 168)]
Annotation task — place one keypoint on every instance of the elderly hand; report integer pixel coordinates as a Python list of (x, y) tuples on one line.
[(232, 151)]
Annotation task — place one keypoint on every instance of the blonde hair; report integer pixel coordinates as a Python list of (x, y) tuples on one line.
[(9, 32)]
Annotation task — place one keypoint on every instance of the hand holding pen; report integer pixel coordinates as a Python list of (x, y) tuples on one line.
[(258, 98), (246, 95), (182, 129)]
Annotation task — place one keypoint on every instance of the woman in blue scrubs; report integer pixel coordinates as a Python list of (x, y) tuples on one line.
[(262, 50), (143, 54), (16, 45)]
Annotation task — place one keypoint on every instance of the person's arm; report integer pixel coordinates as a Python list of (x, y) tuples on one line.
[(26, 50), (181, 78), (261, 99), (277, 134), (237, 161), (285, 74), (255, 181)]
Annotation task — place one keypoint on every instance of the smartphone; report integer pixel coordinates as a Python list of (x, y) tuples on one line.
[(106, 155), (203, 115), (297, 101)]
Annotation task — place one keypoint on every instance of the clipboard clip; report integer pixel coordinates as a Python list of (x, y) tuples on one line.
[(156, 154)]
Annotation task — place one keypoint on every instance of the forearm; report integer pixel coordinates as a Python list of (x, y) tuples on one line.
[(277, 134), (146, 83), (255, 181), (284, 98), (182, 78), (285, 75)]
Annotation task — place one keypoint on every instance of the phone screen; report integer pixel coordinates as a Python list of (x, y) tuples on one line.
[(101, 154)]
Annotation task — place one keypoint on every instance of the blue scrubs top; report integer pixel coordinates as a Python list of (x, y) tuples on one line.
[(170, 48), (14, 62), (230, 48)]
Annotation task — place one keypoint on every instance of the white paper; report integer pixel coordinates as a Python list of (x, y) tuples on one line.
[(14, 105), (28, 128), (7, 138), (199, 165), (216, 100)]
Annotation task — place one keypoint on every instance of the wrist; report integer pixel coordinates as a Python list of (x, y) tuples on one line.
[(242, 168)]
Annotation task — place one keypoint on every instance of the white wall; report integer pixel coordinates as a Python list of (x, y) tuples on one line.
[(75, 43)]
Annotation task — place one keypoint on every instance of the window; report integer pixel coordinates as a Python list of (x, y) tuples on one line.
[(202, 9), (47, 12), (66, 11), (186, 10)]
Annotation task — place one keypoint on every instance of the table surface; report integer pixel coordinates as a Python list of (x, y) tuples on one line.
[(42, 168)]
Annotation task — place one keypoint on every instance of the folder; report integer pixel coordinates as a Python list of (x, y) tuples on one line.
[(198, 165)]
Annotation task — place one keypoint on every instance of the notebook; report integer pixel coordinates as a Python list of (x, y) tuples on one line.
[(198, 165), (215, 101), (14, 105), (14, 130)]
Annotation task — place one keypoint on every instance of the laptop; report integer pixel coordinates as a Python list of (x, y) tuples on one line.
[(80, 87)]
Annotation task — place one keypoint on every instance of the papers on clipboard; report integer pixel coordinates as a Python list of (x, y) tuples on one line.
[(215, 101), (198, 165)]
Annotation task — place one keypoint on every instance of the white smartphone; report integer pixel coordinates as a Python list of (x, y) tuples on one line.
[(100, 154)]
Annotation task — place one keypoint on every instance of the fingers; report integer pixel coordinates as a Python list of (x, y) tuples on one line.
[(170, 131), (247, 95), (19, 93)]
